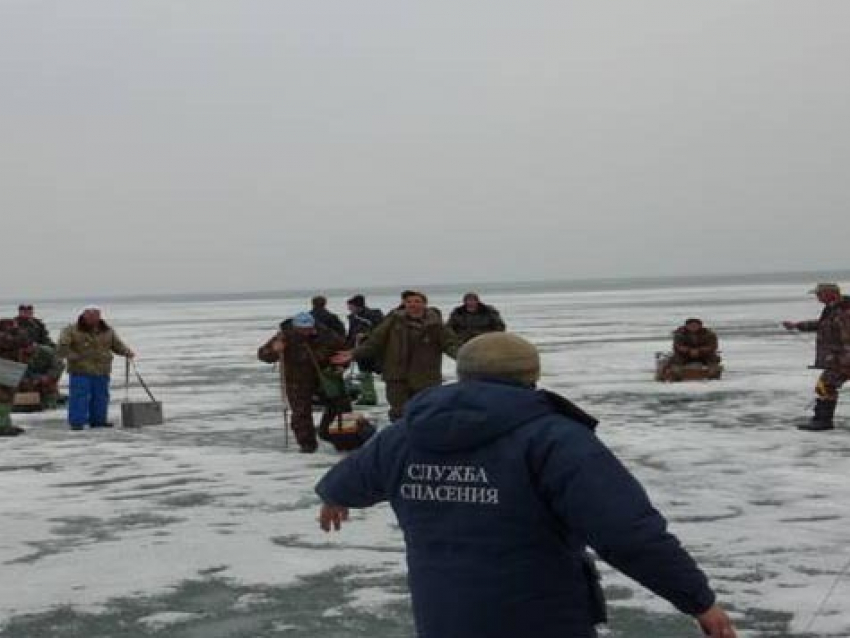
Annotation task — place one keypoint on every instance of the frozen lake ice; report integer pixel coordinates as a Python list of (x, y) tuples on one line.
[(205, 527)]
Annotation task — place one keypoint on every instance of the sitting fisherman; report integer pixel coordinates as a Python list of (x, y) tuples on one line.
[(694, 343)]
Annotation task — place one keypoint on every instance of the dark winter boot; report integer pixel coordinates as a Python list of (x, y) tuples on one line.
[(6, 427), (822, 419)]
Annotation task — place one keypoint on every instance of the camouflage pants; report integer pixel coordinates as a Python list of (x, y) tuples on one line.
[(399, 393), (830, 383), (300, 396)]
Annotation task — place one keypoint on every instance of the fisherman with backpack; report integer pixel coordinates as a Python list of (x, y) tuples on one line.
[(304, 349)]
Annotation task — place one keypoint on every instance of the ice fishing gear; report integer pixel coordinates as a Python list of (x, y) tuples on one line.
[(818, 611), (139, 413), (345, 432), (285, 402), (331, 382)]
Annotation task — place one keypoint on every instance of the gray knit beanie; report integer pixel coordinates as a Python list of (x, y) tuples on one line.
[(499, 355)]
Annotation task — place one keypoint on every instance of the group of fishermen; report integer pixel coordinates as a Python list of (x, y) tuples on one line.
[(26, 340), (86, 348), (405, 347)]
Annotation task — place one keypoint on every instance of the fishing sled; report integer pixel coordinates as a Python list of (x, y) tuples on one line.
[(35, 401), (668, 371)]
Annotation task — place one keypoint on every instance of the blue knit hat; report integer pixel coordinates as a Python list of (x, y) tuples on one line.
[(303, 320)]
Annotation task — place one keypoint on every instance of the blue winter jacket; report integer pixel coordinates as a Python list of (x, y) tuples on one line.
[(499, 489)]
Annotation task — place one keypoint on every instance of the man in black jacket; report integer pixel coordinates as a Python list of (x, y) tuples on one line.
[(325, 317), (362, 320), (474, 318)]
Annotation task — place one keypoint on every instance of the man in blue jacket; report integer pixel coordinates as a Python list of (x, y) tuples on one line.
[(499, 488)]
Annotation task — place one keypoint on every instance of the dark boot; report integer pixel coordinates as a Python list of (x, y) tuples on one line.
[(822, 419)]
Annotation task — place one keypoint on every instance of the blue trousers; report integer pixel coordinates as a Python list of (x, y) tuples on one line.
[(88, 399)]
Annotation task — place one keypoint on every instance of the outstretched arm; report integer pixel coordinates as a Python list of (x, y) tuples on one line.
[(356, 481), (598, 498)]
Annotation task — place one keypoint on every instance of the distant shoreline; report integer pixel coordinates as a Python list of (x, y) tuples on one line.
[(600, 284)]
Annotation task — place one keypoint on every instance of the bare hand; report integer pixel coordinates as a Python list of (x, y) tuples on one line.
[(716, 624), (789, 325), (131, 354), (342, 358), (332, 517)]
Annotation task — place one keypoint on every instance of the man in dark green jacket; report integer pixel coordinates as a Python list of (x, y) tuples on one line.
[(409, 346)]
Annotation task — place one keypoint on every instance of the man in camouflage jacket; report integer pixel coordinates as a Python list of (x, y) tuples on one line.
[(35, 328), (13, 343), (832, 352)]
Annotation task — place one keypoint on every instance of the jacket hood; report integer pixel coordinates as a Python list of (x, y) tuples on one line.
[(102, 326), (470, 414)]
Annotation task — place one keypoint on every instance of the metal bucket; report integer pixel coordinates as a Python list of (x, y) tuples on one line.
[(11, 373)]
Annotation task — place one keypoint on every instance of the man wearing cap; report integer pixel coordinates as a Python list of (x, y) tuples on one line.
[(362, 320), (303, 347), (832, 352), (499, 488), (88, 347), (474, 318), (409, 346)]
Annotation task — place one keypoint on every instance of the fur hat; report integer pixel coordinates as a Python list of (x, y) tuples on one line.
[(499, 355)]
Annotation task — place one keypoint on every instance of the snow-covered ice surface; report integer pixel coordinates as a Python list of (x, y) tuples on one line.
[(205, 527)]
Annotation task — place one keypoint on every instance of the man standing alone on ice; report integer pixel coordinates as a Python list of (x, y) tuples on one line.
[(88, 346), (832, 352), (499, 488)]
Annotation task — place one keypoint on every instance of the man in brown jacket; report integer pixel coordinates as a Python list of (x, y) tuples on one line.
[(303, 347), (694, 343), (409, 344), (88, 346), (832, 352)]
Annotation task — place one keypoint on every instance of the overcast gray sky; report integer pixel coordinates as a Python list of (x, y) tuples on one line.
[(212, 145)]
